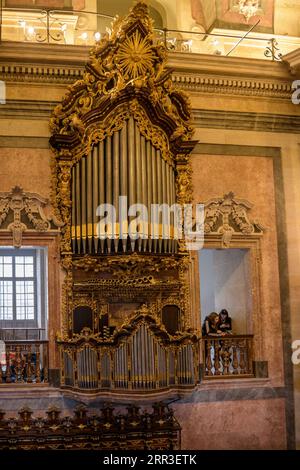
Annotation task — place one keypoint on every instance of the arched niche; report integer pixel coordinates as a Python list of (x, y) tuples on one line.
[(82, 318), (170, 318)]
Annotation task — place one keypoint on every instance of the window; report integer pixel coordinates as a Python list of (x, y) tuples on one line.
[(22, 288)]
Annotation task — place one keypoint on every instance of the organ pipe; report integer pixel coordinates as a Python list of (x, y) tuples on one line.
[(101, 183), (78, 209), (108, 187), (152, 364), (96, 192), (124, 185), (154, 198), (116, 184), (168, 227), (138, 178), (150, 188), (159, 201), (83, 203), (144, 193), (89, 207), (74, 219)]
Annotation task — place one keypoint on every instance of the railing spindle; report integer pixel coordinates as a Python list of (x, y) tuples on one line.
[(37, 366), (208, 357), (216, 357), (8, 365), (228, 356), (235, 362), (242, 357)]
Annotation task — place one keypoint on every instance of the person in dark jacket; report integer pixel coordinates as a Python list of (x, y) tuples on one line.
[(225, 323), (210, 325)]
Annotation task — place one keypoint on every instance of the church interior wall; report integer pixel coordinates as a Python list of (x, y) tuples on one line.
[(250, 173)]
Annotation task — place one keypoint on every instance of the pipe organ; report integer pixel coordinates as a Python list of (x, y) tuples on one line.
[(121, 174), (139, 362), (126, 165)]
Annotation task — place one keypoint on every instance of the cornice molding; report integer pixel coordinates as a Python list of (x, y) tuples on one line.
[(59, 64), (293, 61), (42, 63), (60, 74), (228, 66), (42, 54), (259, 122), (27, 109), (201, 118), (233, 85)]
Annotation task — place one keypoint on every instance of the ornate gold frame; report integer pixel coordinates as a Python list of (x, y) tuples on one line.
[(125, 76), (98, 105)]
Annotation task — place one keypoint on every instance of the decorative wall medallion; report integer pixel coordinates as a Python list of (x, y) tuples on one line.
[(228, 216), (21, 211), (249, 8)]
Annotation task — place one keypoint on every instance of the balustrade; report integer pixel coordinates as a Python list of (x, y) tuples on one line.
[(24, 362), (228, 356), (84, 28)]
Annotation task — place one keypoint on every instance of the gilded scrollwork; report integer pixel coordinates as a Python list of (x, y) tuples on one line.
[(134, 264), (228, 216), (184, 187), (65, 204), (125, 63), (67, 295), (85, 300), (146, 314), (126, 77), (29, 211)]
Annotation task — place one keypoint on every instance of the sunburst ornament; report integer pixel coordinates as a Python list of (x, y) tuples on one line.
[(135, 56)]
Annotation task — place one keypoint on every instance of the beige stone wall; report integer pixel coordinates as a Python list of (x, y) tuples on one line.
[(251, 178), (28, 168), (235, 425), (290, 152), (26, 116)]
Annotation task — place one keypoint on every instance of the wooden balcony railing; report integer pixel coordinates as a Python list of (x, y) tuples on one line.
[(228, 356), (24, 362)]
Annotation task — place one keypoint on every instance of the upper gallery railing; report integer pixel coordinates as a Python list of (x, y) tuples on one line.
[(228, 356), (86, 28), (24, 362)]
